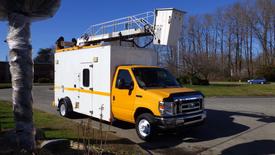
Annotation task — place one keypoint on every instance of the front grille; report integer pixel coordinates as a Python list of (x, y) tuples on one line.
[(186, 106)]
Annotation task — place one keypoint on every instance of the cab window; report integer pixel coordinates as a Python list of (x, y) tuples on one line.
[(124, 79), (154, 78)]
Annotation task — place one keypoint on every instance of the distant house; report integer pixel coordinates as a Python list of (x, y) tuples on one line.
[(41, 71)]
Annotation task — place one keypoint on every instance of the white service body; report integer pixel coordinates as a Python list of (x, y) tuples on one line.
[(101, 62)]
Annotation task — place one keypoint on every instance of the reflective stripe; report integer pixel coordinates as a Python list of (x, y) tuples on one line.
[(57, 87), (86, 91)]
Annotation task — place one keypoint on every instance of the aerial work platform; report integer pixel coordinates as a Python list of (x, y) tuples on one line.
[(165, 25)]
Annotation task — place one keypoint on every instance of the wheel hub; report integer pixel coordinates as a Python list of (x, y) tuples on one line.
[(144, 127), (63, 110)]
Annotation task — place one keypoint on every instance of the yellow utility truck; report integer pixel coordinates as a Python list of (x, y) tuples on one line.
[(107, 75)]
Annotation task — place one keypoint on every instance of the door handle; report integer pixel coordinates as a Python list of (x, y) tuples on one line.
[(114, 98), (140, 96)]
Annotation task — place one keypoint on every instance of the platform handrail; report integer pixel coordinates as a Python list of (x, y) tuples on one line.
[(137, 21)]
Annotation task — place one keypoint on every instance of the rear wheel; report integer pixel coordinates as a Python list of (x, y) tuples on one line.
[(262, 82), (64, 109), (145, 126)]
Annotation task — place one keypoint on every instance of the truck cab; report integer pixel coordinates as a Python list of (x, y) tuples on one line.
[(151, 98)]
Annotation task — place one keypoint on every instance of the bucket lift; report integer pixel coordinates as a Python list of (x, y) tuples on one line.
[(164, 25)]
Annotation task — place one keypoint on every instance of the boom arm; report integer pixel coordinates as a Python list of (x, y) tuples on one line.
[(165, 25)]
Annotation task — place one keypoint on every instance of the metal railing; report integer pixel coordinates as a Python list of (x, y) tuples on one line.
[(139, 21)]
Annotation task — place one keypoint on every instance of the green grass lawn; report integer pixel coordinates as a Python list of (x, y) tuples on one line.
[(5, 85), (235, 89), (56, 127)]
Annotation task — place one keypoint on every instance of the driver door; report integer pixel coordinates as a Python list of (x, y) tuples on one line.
[(123, 96)]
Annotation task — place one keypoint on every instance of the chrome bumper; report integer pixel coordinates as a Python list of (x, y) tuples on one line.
[(176, 121)]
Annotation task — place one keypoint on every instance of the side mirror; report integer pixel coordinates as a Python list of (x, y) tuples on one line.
[(121, 83)]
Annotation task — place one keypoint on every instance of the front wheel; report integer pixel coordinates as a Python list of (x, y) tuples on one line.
[(145, 126)]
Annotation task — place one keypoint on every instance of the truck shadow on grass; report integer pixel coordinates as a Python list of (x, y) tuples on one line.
[(93, 140), (219, 124), (110, 143)]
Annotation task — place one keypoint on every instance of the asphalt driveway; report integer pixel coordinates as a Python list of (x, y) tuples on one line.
[(234, 126)]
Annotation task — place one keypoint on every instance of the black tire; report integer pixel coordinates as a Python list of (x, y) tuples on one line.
[(64, 109), (144, 119)]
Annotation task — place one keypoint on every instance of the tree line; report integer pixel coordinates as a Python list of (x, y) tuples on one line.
[(235, 42)]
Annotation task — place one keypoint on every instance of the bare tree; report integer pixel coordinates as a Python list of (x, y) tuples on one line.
[(263, 16), (231, 43)]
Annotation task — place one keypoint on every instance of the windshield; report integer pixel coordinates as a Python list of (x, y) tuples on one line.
[(154, 78)]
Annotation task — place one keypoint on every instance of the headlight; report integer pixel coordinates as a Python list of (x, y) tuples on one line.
[(166, 108)]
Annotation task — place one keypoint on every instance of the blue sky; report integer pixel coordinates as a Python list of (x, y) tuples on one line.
[(74, 17)]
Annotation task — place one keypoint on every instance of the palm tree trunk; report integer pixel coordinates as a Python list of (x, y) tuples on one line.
[(21, 68)]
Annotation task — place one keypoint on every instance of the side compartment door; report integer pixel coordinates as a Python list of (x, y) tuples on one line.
[(85, 89), (123, 96)]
